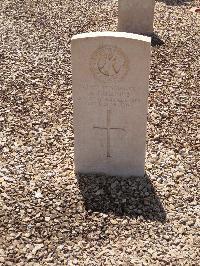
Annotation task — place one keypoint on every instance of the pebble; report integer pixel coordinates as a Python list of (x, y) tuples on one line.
[(47, 219), (2, 260)]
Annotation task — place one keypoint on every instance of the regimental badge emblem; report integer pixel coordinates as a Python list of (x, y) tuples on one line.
[(109, 63)]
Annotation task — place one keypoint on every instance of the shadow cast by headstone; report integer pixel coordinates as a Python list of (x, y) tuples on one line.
[(176, 2), (155, 40), (130, 197)]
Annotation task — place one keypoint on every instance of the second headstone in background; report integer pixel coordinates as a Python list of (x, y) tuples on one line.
[(136, 16)]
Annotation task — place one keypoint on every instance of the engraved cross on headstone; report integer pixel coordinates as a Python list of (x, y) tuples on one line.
[(108, 128)]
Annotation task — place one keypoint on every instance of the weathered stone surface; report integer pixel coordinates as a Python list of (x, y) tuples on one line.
[(136, 16), (110, 89)]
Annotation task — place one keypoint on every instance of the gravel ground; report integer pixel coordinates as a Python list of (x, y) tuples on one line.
[(50, 216)]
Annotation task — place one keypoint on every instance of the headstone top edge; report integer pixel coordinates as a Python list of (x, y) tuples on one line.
[(126, 35)]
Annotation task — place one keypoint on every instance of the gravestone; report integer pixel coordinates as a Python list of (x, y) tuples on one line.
[(110, 75), (136, 16)]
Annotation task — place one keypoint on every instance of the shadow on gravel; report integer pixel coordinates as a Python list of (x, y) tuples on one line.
[(130, 197), (176, 2), (155, 40)]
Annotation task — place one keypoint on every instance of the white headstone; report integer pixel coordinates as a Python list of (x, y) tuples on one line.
[(136, 16), (110, 76)]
